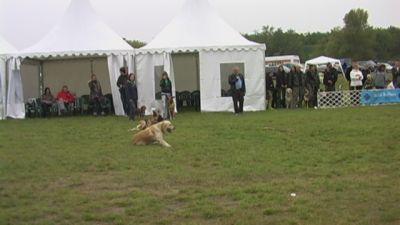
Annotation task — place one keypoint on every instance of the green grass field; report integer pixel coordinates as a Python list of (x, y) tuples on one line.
[(343, 165)]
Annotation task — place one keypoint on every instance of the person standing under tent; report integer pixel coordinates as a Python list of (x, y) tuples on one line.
[(132, 95), (96, 95), (121, 83), (330, 77), (238, 89), (166, 93)]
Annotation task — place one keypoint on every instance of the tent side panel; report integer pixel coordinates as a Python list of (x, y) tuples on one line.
[(211, 83), (76, 74), (30, 80), (146, 66)]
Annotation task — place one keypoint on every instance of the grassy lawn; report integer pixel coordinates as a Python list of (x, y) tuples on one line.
[(343, 165)]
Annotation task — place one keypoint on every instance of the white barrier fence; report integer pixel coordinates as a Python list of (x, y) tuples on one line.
[(337, 99)]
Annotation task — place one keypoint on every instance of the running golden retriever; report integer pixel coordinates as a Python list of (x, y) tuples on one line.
[(154, 134)]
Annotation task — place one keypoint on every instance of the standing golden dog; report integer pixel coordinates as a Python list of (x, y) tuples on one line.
[(171, 107), (306, 97), (154, 134), (289, 97)]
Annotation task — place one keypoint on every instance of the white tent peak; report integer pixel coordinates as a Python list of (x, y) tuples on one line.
[(6, 48), (198, 25), (80, 32), (322, 60)]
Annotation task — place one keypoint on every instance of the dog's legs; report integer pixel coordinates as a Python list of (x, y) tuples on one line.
[(161, 140), (164, 143)]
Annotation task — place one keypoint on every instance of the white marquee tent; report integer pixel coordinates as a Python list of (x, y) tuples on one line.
[(323, 60), (6, 51), (79, 42), (198, 49)]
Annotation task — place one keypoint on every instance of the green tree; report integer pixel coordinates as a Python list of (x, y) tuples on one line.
[(357, 40), (135, 43)]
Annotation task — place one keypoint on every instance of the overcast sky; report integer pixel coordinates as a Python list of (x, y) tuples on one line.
[(24, 22)]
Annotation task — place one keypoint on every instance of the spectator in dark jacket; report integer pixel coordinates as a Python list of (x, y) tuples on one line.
[(47, 102), (166, 93), (396, 75), (96, 95), (380, 77), (121, 83), (347, 74), (238, 89), (269, 88), (295, 81), (302, 85), (330, 78), (312, 85), (132, 95), (280, 87)]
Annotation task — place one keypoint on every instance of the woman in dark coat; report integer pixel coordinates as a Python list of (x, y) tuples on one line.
[(312, 85), (96, 95), (132, 95)]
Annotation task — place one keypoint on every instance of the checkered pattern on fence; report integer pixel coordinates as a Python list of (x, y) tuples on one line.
[(337, 99)]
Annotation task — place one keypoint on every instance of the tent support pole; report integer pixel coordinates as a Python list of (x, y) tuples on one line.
[(91, 66), (41, 78)]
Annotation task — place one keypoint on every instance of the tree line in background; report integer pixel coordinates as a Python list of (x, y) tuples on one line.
[(356, 40)]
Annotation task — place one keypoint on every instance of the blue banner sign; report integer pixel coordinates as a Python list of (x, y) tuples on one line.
[(381, 96)]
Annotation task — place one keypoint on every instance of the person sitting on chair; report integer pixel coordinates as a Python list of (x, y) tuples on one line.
[(65, 99), (96, 95), (47, 102)]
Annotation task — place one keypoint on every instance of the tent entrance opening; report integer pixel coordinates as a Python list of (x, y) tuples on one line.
[(187, 81)]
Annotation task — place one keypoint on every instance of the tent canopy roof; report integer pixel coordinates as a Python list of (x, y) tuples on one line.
[(80, 33), (322, 60), (6, 48), (198, 26)]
